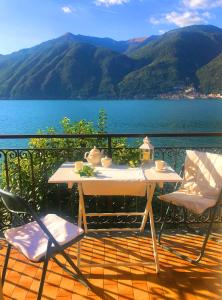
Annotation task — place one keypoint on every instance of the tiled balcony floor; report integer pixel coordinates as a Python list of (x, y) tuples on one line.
[(177, 279)]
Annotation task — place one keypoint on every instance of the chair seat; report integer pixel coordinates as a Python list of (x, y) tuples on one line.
[(196, 203), (32, 241)]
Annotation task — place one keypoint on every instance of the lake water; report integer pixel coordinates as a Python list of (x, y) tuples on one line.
[(124, 116)]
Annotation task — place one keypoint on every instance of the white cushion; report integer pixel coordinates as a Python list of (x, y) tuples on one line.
[(196, 203), (203, 174), (202, 182), (32, 241)]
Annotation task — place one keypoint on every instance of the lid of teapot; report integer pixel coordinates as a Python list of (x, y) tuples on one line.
[(94, 151)]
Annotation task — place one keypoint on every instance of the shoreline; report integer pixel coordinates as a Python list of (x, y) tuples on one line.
[(157, 98)]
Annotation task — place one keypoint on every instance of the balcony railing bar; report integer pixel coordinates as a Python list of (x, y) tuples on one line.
[(105, 148), (112, 135)]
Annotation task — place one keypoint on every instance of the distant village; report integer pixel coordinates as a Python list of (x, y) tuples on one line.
[(189, 93)]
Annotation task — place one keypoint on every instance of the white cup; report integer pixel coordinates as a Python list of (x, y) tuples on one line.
[(106, 162), (78, 165), (160, 164)]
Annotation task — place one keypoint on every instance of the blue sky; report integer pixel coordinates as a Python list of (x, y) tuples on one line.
[(24, 23)]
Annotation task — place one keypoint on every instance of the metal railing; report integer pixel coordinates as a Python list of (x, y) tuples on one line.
[(26, 171)]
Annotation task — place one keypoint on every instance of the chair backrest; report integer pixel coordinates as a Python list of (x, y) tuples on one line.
[(17, 205), (13, 203), (203, 174)]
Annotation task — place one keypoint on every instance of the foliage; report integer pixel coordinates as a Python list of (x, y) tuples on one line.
[(87, 171), (210, 76), (102, 122)]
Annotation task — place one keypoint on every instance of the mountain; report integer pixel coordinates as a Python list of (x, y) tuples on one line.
[(210, 76), (63, 69), (117, 46), (137, 43), (172, 61), (77, 66)]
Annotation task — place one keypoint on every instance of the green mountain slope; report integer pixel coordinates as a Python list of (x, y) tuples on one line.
[(64, 70), (172, 61), (75, 66), (210, 76), (118, 46)]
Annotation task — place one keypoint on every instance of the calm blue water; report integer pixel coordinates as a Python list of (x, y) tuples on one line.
[(124, 116)]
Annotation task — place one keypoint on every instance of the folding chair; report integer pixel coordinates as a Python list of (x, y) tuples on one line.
[(41, 239), (200, 190)]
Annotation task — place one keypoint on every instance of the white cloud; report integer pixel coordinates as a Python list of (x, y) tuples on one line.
[(67, 9), (187, 18), (206, 14), (202, 4), (155, 21), (195, 4), (190, 12), (110, 2)]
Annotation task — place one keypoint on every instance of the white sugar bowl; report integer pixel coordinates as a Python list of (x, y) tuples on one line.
[(106, 162)]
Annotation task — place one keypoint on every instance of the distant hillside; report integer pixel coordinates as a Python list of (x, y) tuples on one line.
[(172, 60), (135, 44), (210, 76), (66, 70), (76, 66)]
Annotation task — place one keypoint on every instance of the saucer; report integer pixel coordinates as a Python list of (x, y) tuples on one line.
[(161, 170)]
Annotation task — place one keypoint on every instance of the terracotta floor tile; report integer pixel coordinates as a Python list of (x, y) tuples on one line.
[(124, 288), (50, 291), (126, 297), (140, 291), (25, 281), (8, 288), (80, 290), (110, 280), (67, 283), (54, 279), (97, 282), (64, 293), (79, 297), (12, 276), (19, 293), (111, 291), (177, 280), (7, 298), (31, 294)]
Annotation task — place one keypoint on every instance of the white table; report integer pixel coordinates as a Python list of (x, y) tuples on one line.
[(117, 180)]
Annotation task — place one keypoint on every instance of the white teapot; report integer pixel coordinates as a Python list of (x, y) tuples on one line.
[(94, 156)]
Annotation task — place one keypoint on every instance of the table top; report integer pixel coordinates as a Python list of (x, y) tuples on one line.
[(116, 173), (166, 175)]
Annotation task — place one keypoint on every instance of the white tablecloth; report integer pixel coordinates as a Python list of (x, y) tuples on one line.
[(118, 180)]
